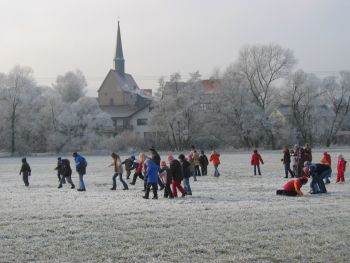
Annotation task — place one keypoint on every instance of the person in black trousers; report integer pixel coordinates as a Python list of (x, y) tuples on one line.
[(26, 171), (66, 172), (203, 162)]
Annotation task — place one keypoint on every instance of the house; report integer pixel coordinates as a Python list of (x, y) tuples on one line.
[(120, 96)]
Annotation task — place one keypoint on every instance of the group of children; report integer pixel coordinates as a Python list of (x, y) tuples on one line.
[(172, 176), (175, 174)]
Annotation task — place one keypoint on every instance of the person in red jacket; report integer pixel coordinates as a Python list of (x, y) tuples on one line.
[(341, 169), (292, 188), (256, 160), (214, 158), (326, 159)]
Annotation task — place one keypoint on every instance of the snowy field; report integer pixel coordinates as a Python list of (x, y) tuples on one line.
[(234, 218)]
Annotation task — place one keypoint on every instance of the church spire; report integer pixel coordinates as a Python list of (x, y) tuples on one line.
[(119, 58)]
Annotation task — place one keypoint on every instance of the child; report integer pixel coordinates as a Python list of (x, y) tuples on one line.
[(214, 158), (177, 176), (203, 162), (326, 159), (292, 188), (166, 177), (152, 178), (66, 172), (128, 163), (138, 171), (286, 162), (186, 174), (80, 166), (192, 166), (341, 169), (59, 169), (118, 171), (256, 160), (196, 162), (26, 171)]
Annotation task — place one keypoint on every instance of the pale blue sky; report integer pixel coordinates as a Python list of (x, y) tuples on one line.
[(165, 36)]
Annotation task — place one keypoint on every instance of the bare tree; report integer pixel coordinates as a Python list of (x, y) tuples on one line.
[(337, 95), (262, 65)]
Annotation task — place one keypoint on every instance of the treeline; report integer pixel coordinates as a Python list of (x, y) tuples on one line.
[(260, 100)]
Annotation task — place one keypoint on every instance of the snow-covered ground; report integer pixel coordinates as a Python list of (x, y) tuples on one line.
[(234, 218)]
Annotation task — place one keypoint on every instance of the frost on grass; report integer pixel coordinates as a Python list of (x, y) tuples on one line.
[(234, 218)]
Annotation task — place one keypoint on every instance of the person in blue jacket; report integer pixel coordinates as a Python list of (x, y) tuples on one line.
[(80, 165), (152, 178)]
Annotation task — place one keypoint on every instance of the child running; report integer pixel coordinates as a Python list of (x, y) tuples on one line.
[(256, 160)]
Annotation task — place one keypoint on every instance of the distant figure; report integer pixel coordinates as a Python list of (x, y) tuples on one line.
[(341, 169), (152, 178), (203, 162), (256, 160), (118, 171), (186, 172), (214, 158), (166, 177), (326, 159), (176, 172), (318, 172), (196, 162), (80, 166), (59, 170), (66, 173), (292, 188), (191, 166), (307, 153), (25, 171), (286, 162)]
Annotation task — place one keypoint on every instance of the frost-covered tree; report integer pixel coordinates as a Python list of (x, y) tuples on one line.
[(71, 86), (262, 66), (15, 88), (337, 95)]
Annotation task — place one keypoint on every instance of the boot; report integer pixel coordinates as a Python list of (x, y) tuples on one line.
[(60, 186), (147, 193), (113, 188), (72, 187)]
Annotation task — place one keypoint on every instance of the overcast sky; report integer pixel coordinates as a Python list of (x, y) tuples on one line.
[(161, 37)]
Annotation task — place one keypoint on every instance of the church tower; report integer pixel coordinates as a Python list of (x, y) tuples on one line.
[(119, 58)]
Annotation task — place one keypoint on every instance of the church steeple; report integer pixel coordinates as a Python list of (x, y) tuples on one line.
[(119, 58)]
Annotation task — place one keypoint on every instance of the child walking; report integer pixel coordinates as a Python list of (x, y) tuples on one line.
[(166, 177), (26, 171), (118, 171), (214, 158), (203, 162), (256, 160), (341, 169), (152, 178), (286, 162), (186, 174)]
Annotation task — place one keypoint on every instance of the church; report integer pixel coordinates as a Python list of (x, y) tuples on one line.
[(120, 96)]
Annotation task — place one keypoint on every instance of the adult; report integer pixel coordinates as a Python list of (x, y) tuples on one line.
[(186, 174), (318, 172), (80, 166), (59, 169)]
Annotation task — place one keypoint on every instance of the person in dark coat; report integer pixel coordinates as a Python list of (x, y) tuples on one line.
[(318, 172), (59, 170), (128, 164), (203, 162), (25, 171), (186, 174), (176, 172), (66, 173), (80, 166), (286, 162)]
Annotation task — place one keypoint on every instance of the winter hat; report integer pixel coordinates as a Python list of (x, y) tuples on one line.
[(340, 156), (182, 157), (170, 158), (307, 163), (75, 154), (132, 157), (162, 164), (24, 160), (59, 158), (255, 151)]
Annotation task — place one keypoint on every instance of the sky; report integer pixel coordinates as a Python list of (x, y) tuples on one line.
[(161, 37)]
